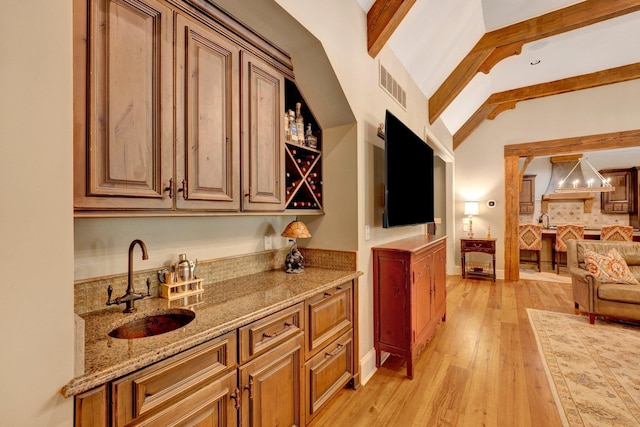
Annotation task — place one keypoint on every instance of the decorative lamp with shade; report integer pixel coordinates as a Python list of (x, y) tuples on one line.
[(295, 230), (471, 209)]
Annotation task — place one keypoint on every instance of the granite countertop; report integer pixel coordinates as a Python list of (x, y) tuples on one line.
[(225, 306)]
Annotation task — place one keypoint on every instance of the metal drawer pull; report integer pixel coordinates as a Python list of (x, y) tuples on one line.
[(330, 294), (334, 352), (287, 325)]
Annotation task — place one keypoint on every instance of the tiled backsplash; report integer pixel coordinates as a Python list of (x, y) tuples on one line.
[(561, 212), (91, 294)]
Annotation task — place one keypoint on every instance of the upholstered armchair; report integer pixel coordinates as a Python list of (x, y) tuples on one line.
[(618, 233), (564, 233), (530, 239)]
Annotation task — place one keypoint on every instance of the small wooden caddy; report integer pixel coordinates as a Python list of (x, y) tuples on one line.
[(175, 290)]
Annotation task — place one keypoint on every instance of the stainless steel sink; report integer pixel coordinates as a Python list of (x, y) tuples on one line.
[(154, 324)]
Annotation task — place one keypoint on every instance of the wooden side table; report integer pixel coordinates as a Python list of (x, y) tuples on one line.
[(486, 246)]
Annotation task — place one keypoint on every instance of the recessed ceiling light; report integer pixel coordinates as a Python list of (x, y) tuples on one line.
[(535, 62)]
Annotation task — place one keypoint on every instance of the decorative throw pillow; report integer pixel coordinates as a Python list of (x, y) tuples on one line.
[(609, 268)]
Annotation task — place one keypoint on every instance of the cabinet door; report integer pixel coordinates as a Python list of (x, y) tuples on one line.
[(439, 285), (127, 161), (207, 125), (528, 194), (391, 287), (421, 296), (91, 408), (262, 136), (272, 387), (621, 200)]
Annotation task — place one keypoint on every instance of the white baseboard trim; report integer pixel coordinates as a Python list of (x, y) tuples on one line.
[(368, 365)]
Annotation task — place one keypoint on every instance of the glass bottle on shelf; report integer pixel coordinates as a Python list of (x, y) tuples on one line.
[(299, 123), (309, 139), (287, 130), (293, 130)]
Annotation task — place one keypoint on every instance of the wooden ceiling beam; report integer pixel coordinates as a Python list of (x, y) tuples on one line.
[(382, 20), (493, 45), (499, 102), (577, 144)]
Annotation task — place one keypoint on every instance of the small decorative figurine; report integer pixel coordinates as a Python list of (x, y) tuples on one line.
[(293, 262)]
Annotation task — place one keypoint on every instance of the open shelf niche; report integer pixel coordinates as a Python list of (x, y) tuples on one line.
[(303, 163)]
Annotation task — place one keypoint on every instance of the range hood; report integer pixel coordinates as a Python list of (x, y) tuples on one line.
[(561, 166)]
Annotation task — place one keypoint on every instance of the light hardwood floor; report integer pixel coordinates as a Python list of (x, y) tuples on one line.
[(482, 368)]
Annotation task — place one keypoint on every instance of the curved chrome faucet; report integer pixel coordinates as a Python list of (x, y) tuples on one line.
[(130, 295)]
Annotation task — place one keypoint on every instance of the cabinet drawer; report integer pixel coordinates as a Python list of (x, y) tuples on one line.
[(266, 333), (327, 372), (478, 246), (210, 405), (329, 315), (166, 382)]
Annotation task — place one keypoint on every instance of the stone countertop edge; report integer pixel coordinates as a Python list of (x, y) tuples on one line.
[(226, 306)]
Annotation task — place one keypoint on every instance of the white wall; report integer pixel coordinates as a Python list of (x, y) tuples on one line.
[(101, 245), (341, 28), (480, 158), (36, 322)]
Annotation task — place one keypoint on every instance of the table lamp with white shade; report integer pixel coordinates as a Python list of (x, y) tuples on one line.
[(470, 209)]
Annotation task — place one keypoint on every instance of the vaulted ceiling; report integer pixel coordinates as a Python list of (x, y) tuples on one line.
[(474, 59)]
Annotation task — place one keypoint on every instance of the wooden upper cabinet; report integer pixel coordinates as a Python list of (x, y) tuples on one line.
[(161, 125), (262, 135), (528, 194), (207, 119), (622, 199), (126, 159)]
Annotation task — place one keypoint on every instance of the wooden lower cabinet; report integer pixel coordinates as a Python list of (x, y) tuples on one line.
[(280, 370), (91, 407), (210, 405), (409, 297), (144, 396), (328, 372), (271, 387)]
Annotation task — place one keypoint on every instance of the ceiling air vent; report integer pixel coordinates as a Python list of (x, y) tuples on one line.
[(391, 86)]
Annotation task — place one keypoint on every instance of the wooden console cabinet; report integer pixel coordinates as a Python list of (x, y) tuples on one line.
[(485, 246), (409, 298)]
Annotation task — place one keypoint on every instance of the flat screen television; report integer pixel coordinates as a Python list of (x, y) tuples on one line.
[(408, 176)]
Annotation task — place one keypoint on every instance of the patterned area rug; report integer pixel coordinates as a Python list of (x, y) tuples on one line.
[(594, 370)]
